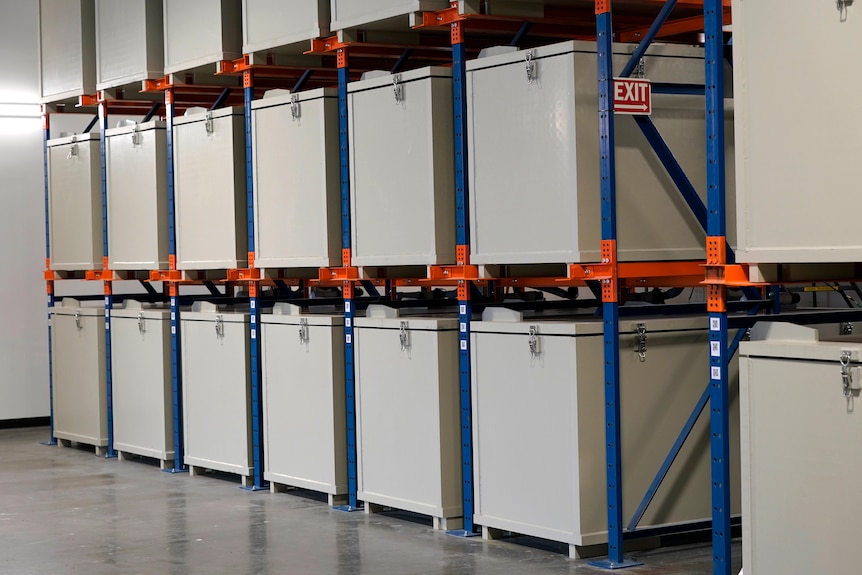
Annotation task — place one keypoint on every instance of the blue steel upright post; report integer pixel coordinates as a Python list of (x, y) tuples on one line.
[(346, 261), (109, 297), (173, 290), (49, 281), (610, 295), (254, 299), (717, 293), (459, 86)]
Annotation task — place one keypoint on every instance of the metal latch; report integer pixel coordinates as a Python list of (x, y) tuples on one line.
[(295, 111), (219, 326), (73, 149), (533, 342), (640, 341), (78, 323), (846, 328), (136, 137), (397, 88), (142, 326), (849, 387), (303, 331), (208, 124), (404, 336), (531, 66)]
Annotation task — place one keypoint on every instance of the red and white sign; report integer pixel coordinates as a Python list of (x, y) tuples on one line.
[(632, 96)]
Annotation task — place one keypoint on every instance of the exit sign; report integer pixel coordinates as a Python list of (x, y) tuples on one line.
[(632, 96)]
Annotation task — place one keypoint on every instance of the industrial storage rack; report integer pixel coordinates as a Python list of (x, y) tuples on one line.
[(718, 267)]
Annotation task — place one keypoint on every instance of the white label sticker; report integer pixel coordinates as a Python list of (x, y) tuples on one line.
[(174, 330), (254, 334), (347, 307), (173, 316), (348, 339), (107, 312), (716, 372), (463, 327), (462, 309), (173, 301), (107, 325), (464, 344), (348, 322), (107, 301), (253, 318), (253, 303), (715, 348), (714, 324)]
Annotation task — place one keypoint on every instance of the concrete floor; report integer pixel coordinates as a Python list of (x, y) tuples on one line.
[(64, 510)]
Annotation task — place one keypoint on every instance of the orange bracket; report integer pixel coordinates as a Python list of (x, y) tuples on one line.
[(233, 66), (443, 17), (157, 85), (243, 274), (166, 276), (347, 274), (325, 45), (449, 273)]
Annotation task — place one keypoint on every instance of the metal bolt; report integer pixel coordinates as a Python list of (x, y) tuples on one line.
[(587, 272)]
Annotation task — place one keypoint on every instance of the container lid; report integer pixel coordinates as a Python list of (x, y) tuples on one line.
[(209, 311), (64, 140), (130, 128), (132, 308), (504, 321), (200, 114), (791, 341), (409, 76), (499, 56), (71, 306), (274, 98), (415, 319)]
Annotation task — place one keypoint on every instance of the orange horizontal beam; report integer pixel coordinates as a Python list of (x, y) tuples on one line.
[(670, 28), (339, 274), (243, 274)]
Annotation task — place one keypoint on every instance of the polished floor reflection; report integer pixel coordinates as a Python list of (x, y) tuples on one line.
[(64, 510)]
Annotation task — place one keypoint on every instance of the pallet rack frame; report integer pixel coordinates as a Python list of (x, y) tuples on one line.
[(719, 269)]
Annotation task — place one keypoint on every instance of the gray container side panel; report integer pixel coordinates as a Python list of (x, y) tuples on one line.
[(216, 396), (200, 32), (777, 159), (443, 152), (137, 201), (271, 24), (80, 396), (525, 428), (297, 188), (401, 396), (395, 174), (67, 45), (75, 201), (351, 13), (142, 387), (129, 43), (209, 171), (795, 476), (657, 398), (304, 400), (570, 230)]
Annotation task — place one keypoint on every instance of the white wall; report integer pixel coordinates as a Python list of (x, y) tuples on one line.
[(23, 318)]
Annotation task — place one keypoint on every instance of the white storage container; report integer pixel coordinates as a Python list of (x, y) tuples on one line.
[(67, 48), (799, 451), (137, 180), (797, 199), (357, 13), (305, 436), (539, 424), (201, 32), (217, 390), (210, 190), (130, 45), (297, 191), (269, 24), (141, 381), (534, 158), (80, 391), (408, 415), (75, 202), (402, 174)]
